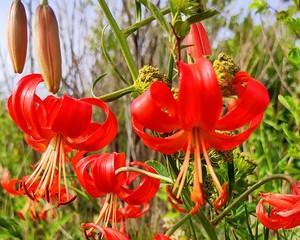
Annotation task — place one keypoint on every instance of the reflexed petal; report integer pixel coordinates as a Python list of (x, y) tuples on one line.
[(83, 172), (223, 142), (253, 100), (166, 145), (200, 101), (156, 108), (96, 135), (104, 169), (142, 192), (273, 222), (283, 211), (22, 105), (72, 117), (199, 39)]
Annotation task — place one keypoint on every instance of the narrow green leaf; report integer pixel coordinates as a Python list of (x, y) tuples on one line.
[(159, 167), (201, 16), (157, 14)]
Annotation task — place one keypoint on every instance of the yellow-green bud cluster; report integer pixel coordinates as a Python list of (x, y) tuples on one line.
[(225, 69), (147, 75)]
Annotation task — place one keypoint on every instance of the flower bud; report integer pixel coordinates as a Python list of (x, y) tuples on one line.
[(17, 35), (47, 46)]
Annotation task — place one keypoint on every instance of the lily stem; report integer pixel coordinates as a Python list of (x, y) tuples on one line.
[(121, 39), (117, 94), (250, 190), (149, 174)]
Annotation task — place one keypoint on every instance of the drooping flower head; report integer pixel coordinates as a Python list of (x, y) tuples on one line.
[(55, 126), (97, 175), (279, 211), (196, 120)]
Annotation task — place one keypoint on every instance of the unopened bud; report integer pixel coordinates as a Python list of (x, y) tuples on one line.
[(46, 36), (17, 35)]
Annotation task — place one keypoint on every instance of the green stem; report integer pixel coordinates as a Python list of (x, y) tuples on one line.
[(177, 225), (144, 22), (121, 39), (246, 193), (149, 174), (117, 94)]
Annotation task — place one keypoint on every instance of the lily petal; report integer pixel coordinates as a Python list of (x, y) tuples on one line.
[(156, 108), (200, 100), (253, 100), (166, 145)]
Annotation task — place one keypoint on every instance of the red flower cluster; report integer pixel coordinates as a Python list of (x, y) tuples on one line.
[(97, 175)]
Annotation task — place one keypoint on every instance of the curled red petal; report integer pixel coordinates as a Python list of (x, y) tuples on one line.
[(96, 135), (156, 108), (83, 172), (104, 169), (223, 142), (197, 37), (12, 186), (273, 223), (167, 145), (199, 100), (23, 105), (142, 192), (72, 117), (283, 211), (253, 100)]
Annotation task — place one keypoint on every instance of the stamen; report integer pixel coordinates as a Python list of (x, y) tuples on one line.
[(184, 169), (197, 195), (221, 200), (210, 167), (44, 175)]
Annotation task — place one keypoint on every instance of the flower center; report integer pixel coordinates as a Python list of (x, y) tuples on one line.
[(195, 146), (49, 179)]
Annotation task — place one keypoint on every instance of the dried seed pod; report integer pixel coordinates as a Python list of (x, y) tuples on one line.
[(17, 35), (47, 46)]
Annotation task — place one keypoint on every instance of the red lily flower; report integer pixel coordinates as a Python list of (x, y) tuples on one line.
[(160, 236), (55, 126), (285, 209), (194, 122), (35, 210), (97, 175), (198, 42)]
